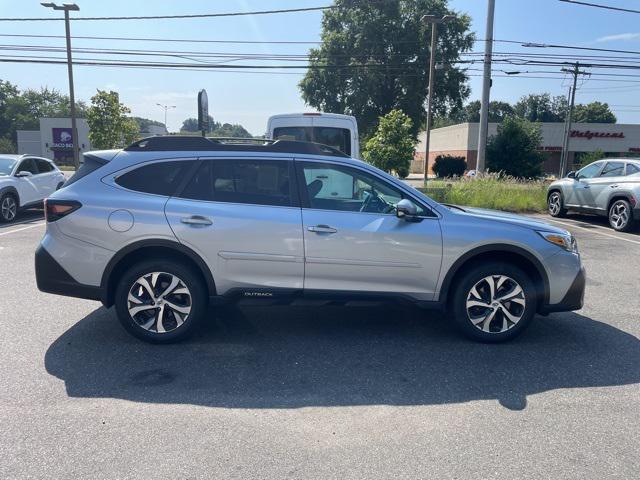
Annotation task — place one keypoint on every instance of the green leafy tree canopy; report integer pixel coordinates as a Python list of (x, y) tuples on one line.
[(216, 129), (392, 146), (109, 125), (373, 59), (515, 149)]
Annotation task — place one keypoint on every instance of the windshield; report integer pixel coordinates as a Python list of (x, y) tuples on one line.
[(6, 165)]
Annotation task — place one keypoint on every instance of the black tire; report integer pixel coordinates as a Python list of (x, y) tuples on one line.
[(174, 331), (495, 270), (617, 219), (558, 211), (7, 213)]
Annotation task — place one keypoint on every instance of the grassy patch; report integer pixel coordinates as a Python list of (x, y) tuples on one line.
[(491, 191), (67, 168)]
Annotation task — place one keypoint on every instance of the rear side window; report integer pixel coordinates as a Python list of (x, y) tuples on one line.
[(161, 178), (90, 164), (339, 138), (44, 166), (632, 169), (257, 182), (613, 169)]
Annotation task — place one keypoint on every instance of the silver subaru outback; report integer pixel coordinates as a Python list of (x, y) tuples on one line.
[(171, 225)]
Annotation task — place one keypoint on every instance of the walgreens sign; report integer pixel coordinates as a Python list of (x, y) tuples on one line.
[(588, 134)]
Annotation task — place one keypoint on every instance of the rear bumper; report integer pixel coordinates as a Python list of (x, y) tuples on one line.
[(52, 278), (573, 299)]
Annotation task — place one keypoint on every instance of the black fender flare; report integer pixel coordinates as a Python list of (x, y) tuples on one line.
[(495, 249), (143, 244)]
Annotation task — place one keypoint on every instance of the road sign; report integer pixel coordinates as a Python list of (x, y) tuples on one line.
[(203, 112)]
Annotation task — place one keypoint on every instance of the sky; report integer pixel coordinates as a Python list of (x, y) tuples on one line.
[(250, 98)]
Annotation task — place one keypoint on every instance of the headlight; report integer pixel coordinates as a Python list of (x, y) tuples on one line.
[(563, 240)]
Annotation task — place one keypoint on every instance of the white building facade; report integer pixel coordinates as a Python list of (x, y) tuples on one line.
[(53, 140)]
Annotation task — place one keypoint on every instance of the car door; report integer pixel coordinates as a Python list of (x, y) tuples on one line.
[(27, 186), (579, 189), (242, 216), (353, 240), (611, 174)]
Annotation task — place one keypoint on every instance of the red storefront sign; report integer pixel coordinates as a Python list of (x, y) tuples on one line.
[(588, 134)]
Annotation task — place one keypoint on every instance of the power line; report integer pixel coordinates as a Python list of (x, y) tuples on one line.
[(164, 17), (607, 7)]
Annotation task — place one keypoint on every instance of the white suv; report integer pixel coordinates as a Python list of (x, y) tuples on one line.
[(25, 181)]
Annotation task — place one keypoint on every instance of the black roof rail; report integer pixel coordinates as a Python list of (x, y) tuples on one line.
[(204, 144)]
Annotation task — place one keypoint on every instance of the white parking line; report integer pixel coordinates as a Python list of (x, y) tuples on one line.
[(20, 229), (595, 229)]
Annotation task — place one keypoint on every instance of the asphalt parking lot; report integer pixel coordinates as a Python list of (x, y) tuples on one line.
[(359, 392)]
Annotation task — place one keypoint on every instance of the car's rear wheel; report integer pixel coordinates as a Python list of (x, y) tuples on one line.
[(494, 302), (160, 301), (555, 204), (621, 216), (8, 207)]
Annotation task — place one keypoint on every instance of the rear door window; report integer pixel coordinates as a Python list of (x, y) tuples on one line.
[(613, 169), (44, 166), (300, 134), (257, 182), (339, 138), (160, 178)]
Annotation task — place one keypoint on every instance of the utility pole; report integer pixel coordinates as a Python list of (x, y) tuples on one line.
[(74, 130), (165, 107), (433, 21), (486, 89), (567, 131)]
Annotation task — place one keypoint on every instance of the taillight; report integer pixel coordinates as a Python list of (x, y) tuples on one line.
[(56, 209)]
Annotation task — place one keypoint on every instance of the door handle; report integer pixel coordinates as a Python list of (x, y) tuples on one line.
[(613, 186), (587, 186), (196, 220), (322, 229)]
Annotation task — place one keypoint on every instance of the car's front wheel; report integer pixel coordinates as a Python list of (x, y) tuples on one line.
[(160, 301), (621, 216), (8, 207), (555, 204), (493, 302)]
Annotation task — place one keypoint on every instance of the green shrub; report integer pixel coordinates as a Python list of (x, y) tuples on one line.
[(449, 166), (515, 149), (392, 147)]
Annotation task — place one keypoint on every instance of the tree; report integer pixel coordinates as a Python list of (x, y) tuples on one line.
[(585, 158), (515, 149), (23, 110), (594, 112), (542, 108), (498, 111), (109, 127), (145, 123), (392, 146), (7, 146), (373, 59), (216, 129)]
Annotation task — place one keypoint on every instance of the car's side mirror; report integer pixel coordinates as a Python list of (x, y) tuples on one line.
[(23, 173), (571, 174), (406, 209)]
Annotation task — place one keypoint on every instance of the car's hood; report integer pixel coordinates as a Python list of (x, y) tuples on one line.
[(510, 218)]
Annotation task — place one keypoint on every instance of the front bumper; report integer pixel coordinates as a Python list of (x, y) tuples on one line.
[(52, 278), (573, 299)]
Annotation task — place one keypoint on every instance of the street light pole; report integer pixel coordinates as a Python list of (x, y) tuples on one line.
[(74, 130), (165, 107), (486, 90), (434, 21)]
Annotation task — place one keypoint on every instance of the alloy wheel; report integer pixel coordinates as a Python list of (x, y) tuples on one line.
[(159, 302), (495, 304), (9, 208), (554, 203), (619, 215)]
